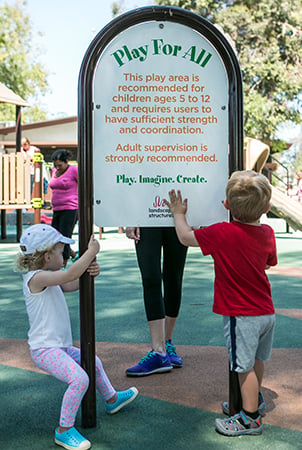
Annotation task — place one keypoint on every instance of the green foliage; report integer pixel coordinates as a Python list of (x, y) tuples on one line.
[(205, 8), (267, 37), (277, 146), (19, 66), (298, 162)]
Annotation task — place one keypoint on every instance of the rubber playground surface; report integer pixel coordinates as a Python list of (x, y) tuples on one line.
[(175, 410)]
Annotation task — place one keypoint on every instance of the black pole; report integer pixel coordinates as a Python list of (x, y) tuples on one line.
[(87, 307), (18, 149), (88, 348), (235, 400), (87, 314), (3, 224), (235, 163), (18, 128)]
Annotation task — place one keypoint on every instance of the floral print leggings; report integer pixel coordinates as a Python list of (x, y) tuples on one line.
[(64, 364)]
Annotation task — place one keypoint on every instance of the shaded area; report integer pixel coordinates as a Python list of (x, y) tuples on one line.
[(206, 368), (31, 402), (182, 405)]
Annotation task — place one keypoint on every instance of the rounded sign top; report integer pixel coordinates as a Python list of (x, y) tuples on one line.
[(161, 121)]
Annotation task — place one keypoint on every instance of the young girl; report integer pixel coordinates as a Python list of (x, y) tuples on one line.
[(50, 338)]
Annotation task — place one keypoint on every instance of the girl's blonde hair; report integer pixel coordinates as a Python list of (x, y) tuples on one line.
[(248, 194), (34, 261)]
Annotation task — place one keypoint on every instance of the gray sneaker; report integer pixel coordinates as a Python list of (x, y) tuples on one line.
[(239, 425)]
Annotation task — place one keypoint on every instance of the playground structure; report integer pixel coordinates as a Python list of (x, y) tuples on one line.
[(15, 173), (16, 185), (286, 208), (14, 191), (255, 157), (14, 188), (15, 182)]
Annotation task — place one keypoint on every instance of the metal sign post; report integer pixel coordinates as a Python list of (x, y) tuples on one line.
[(160, 107)]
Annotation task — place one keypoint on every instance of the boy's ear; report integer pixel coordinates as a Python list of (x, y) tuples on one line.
[(268, 208), (226, 205)]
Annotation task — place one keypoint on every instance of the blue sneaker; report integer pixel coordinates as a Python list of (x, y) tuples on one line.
[(175, 360), (75, 257), (152, 362), (261, 406), (123, 398), (71, 439)]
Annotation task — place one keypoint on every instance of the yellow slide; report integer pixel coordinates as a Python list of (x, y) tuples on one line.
[(255, 157), (288, 209)]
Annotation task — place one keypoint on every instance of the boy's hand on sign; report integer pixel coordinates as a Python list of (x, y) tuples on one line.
[(176, 204)]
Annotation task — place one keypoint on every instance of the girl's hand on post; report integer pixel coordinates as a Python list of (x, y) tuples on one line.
[(93, 269), (93, 244)]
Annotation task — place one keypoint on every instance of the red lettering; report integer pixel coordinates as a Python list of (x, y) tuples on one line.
[(158, 202)]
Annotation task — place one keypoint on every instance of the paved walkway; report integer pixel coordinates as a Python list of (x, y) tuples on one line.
[(174, 410)]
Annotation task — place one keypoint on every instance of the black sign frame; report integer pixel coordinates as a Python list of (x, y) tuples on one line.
[(85, 150)]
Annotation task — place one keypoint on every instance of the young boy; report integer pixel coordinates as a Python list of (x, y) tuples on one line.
[(242, 250)]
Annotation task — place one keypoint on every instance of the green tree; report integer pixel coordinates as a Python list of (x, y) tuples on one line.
[(20, 69), (267, 36), (268, 39)]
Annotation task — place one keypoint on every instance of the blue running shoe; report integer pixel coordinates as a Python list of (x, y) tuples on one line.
[(175, 360), (123, 398), (71, 439), (75, 257), (152, 362)]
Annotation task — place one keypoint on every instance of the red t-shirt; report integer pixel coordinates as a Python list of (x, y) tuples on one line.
[(240, 252)]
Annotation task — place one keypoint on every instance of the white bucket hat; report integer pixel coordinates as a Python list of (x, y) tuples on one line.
[(40, 237)]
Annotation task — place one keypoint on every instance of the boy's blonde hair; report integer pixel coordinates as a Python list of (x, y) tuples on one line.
[(33, 261), (248, 194)]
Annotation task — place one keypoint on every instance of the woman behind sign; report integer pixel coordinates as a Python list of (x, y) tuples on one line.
[(64, 185), (161, 310)]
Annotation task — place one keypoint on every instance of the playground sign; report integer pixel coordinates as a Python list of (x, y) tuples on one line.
[(160, 95), (160, 108)]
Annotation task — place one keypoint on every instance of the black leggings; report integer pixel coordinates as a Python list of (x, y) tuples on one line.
[(64, 221), (148, 251)]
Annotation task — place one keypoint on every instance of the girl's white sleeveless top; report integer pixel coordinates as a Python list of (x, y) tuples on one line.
[(49, 321)]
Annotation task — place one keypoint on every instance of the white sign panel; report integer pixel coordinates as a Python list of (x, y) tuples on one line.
[(160, 122)]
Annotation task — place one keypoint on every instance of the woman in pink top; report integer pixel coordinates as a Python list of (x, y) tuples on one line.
[(64, 185)]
